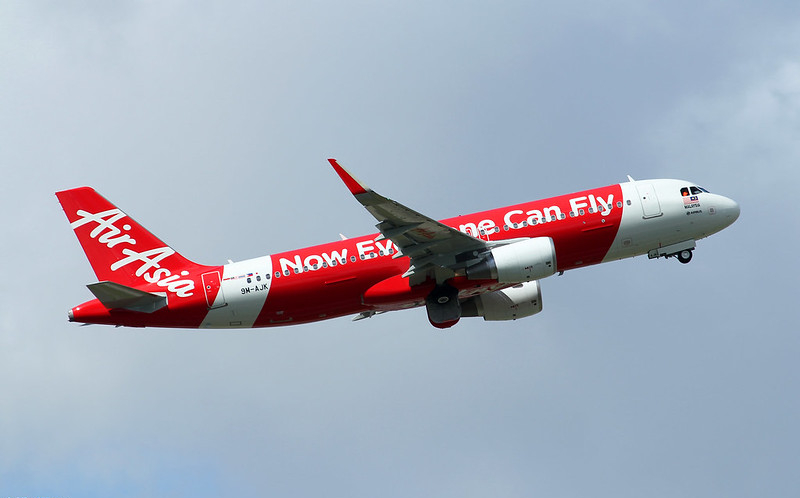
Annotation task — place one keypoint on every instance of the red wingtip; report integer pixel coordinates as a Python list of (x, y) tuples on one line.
[(349, 180)]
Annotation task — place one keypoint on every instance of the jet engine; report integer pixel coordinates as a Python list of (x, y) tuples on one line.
[(521, 261), (507, 304)]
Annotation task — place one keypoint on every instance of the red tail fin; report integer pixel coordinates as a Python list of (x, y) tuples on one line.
[(119, 249)]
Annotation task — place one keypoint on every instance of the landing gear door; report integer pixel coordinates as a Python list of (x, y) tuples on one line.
[(651, 208), (211, 285)]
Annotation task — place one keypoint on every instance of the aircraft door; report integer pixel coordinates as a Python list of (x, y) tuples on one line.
[(211, 286), (651, 208)]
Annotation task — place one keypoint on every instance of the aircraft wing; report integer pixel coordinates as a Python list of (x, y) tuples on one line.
[(435, 249)]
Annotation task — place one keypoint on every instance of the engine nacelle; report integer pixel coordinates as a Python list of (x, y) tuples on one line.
[(522, 261), (507, 304)]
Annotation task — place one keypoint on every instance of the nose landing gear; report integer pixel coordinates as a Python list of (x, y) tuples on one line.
[(684, 256), (682, 251)]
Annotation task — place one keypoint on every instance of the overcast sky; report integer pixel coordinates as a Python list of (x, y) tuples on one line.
[(210, 122)]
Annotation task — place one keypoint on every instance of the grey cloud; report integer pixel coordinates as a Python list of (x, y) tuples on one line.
[(210, 123)]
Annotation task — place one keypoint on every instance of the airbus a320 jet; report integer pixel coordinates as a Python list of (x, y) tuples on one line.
[(487, 264)]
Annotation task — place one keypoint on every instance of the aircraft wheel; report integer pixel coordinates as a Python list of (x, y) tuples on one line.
[(443, 307), (685, 256)]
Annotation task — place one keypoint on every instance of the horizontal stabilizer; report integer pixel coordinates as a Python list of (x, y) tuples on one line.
[(117, 296)]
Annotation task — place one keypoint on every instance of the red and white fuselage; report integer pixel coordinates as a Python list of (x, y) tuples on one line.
[(144, 282)]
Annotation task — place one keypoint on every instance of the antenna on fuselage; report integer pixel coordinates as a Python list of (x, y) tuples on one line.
[(630, 179)]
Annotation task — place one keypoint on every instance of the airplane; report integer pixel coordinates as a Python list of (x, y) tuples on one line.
[(487, 264)]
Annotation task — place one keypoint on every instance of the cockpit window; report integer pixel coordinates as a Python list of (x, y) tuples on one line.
[(693, 190)]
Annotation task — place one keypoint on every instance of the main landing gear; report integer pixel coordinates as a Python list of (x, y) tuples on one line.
[(444, 310)]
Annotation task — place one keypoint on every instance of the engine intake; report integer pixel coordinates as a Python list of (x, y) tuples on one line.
[(522, 261), (507, 304)]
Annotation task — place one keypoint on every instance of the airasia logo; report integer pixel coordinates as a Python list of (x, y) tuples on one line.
[(106, 232)]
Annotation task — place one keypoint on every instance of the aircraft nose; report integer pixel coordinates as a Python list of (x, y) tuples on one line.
[(731, 209), (728, 210)]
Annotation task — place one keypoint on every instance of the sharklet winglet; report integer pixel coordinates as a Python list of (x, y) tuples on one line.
[(355, 186)]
